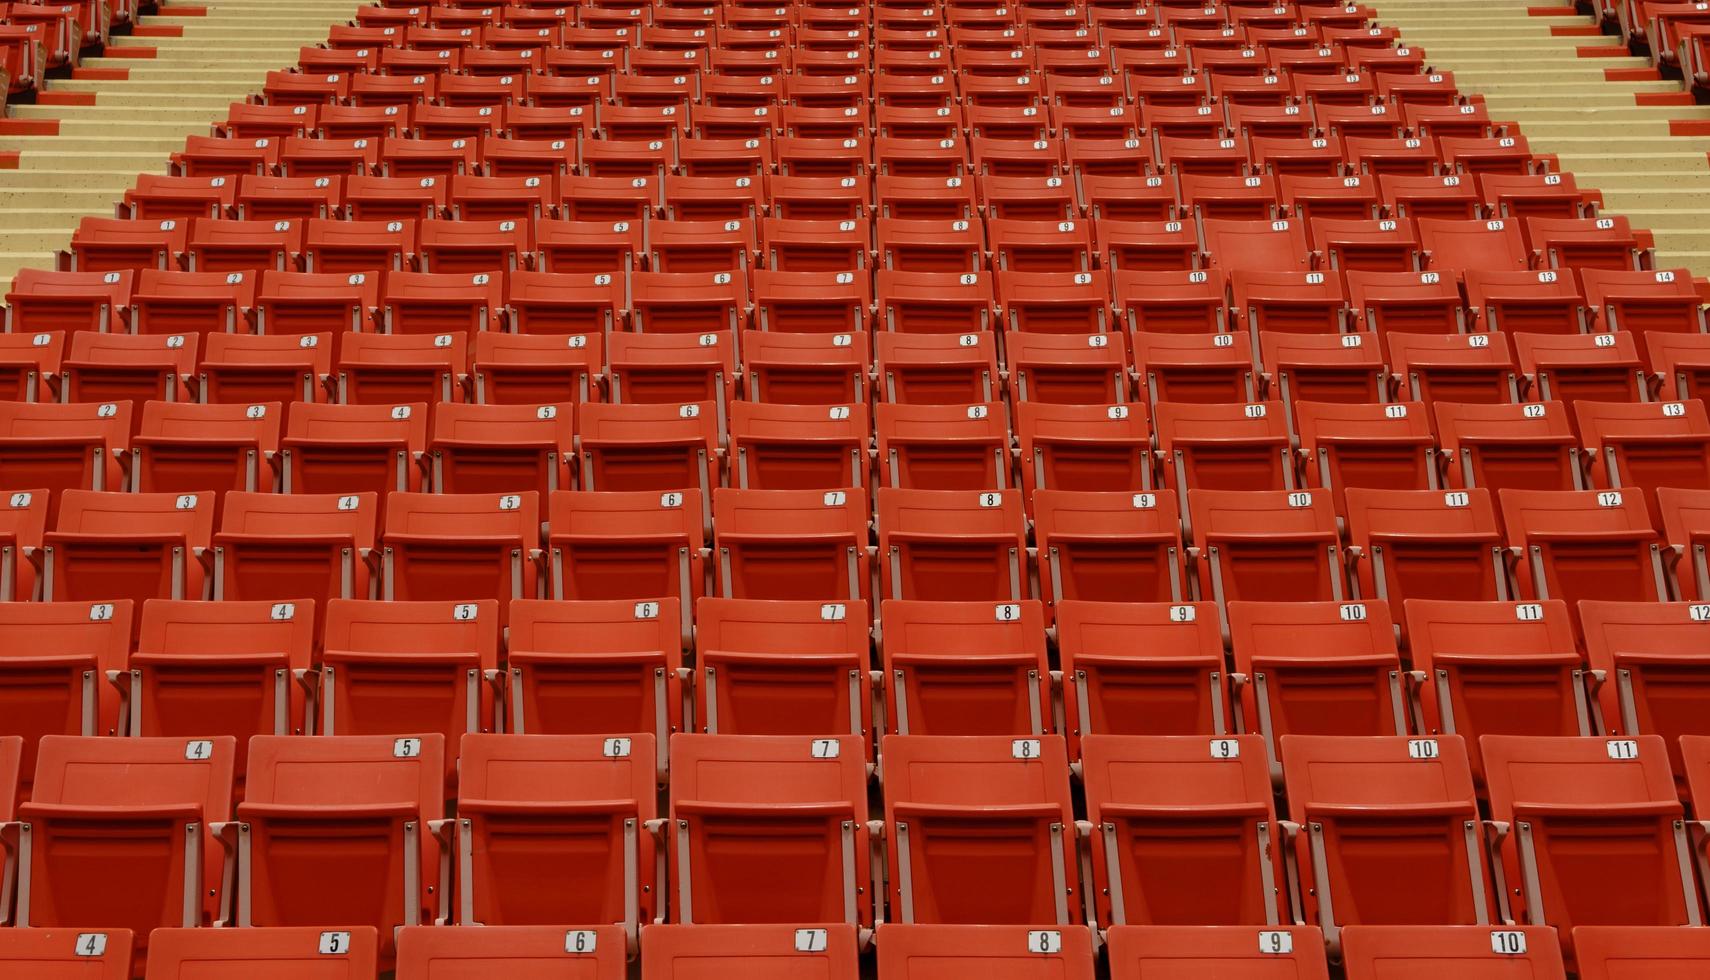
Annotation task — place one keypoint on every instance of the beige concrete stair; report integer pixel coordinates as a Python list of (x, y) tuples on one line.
[(1566, 105), (136, 123)]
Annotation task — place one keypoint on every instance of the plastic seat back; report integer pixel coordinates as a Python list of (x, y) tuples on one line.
[(66, 954), (756, 952), (1474, 953), (1236, 952), (345, 449), (1656, 952), (1270, 545), (348, 953), (916, 952), (519, 952)]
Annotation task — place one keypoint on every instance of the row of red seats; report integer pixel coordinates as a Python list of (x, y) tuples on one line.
[(830, 100), (1216, 545), (189, 447), (1550, 207), (1589, 806), (796, 372), (1052, 306), (913, 952), (455, 141), (1037, 242), (586, 666)]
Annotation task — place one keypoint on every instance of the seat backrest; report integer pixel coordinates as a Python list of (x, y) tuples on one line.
[(95, 512), (1641, 952), (526, 768), (353, 514), (415, 627), (1271, 630), (1578, 772), (1335, 770), (237, 423), (516, 952), (313, 421), (453, 515), (1466, 952), (230, 627), (924, 627), (615, 513), (350, 769), (1226, 952), (66, 954), (749, 952), (136, 772), (282, 953), (922, 952), (950, 511), (1173, 771)]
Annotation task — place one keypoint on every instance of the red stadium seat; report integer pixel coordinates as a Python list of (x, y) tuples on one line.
[(1420, 302), (1497, 668), (978, 830), (121, 830), (728, 794), (596, 791), (1358, 804), (30, 364), (1224, 446), (1343, 446), (1667, 953), (197, 448), (1583, 544), (1270, 545), (638, 545), (1207, 369), (792, 543), (947, 545), (303, 793), (115, 367), (1596, 833), (1528, 446), (456, 546), (53, 953), (1685, 518), (1156, 800), (819, 651), (1172, 302), (943, 447), (1446, 367), (1084, 447), (1646, 445), (1345, 368)]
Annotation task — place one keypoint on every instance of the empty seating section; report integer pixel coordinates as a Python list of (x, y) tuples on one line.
[(1087, 490)]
